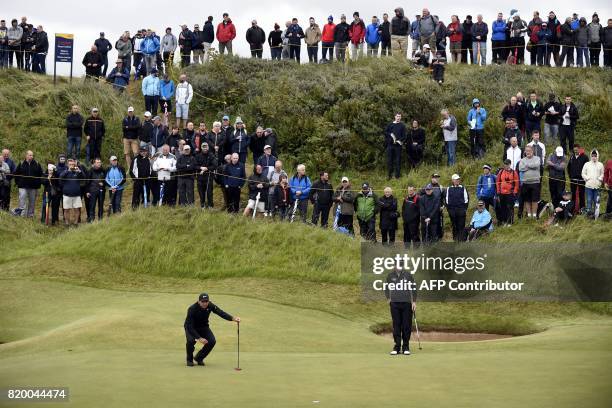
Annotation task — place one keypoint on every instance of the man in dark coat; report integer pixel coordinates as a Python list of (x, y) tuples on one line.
[(93, 63), (197, 328), (321, 196)]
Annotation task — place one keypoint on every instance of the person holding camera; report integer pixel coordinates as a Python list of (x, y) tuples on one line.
[(70, 180)]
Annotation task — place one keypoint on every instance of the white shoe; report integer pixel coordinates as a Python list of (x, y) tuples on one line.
[(393, 353), (406, 352)]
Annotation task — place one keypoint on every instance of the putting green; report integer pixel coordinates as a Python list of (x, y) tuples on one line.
[(125, 349)]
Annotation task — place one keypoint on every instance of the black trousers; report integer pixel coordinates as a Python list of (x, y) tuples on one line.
[(477, 143), (556, 190), (346, 221), (609, 204), (313, 53), (488, 202), (518, 50), (96, 200), (506, 209), (411, 233), (294, 52), (233, 196), (385, 48), (594, 51), (577, 187), (138, 193), (205, 190), (185, 191), (94, 149), (401, 315), (499, 52), (257, 52), (206, 333), (394, 160), (323, 211), (151, 104), (5, 197), (387, 235), (367, 229), (167, 192), (429, 232), (566, 137), (457, 216)]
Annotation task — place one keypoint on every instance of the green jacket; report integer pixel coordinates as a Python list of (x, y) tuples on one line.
[(366, 206)]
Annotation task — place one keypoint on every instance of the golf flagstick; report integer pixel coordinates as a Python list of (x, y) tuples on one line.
[(416, 325), (237, 368)]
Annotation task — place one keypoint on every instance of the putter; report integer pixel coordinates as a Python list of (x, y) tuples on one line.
[(416, 325), (256, 204), (237, 368)]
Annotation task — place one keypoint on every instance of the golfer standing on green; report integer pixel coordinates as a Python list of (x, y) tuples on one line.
[(197, 329), (402, 303)]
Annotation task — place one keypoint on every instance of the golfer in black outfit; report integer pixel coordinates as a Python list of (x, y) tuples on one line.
[(197, 329), (402, 302)]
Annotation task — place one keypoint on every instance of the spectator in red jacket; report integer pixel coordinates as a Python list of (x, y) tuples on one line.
[(608, 185), (357, 34), (455, 34), (507, 187), (226, 32), (327, 39)]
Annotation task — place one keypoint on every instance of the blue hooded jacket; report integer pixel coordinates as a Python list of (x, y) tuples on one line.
[(485, 188), (372, 36), (150, 85), (414, 30), (499, 30), (150, 45), (480, 117), (166, 89)]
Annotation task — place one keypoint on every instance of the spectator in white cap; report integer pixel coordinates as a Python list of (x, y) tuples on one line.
[(115, 180), (456, 201), (266, 160), (556, 175), (182, 98)]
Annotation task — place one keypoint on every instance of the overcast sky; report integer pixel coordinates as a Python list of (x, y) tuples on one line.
[(85, 19)]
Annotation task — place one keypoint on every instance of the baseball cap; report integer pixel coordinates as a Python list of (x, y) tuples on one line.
[(486, 166), (143, 148), (345, 179), (559, 151), (330, 18), (267, 147), (566, 192), (147, 114), (203, 297), (429, 187), (238, 120), (435, 175), (131, 109), (113, 158), (94, 109), (480, 203), (455, 177), (426, 46), (365, 185), (225, 117)]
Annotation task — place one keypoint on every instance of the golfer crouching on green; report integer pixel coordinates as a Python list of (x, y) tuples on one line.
[(197, 329)]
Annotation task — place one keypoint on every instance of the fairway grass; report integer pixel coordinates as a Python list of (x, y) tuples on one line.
[(126, 349)]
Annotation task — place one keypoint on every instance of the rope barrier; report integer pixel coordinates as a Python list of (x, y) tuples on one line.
[(176, 176)]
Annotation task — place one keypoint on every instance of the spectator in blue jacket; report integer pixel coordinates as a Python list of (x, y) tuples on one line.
[(485, 187), (476, 120), (499, 40), (150, 48), (300, 190), (166, 93), (415, 35), (115, 180), (545, 38), (119, 76), (150, 91), (372, 38), (234, 178)]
